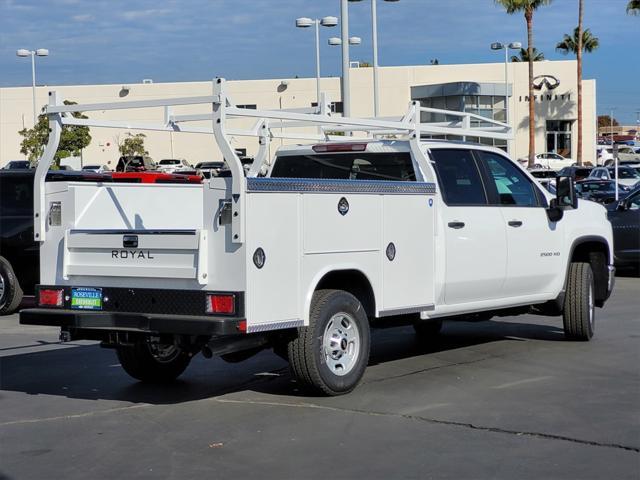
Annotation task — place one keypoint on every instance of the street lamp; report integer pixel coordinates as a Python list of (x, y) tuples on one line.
[(333, 41), (374, 41), (305, 22), (506, 47), (40, 52)]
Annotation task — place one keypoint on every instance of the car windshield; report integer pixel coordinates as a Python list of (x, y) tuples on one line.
[(210, 165), (626, 173), (91, 167), (170, 161), (18, 164), (595, 187)]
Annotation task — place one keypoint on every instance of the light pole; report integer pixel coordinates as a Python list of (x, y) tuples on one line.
[(334, 42), (346, 84), (305, 22), (40, 52), (506, 47), (374, 42)]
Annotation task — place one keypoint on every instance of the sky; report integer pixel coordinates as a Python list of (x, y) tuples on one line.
[(125, 41)]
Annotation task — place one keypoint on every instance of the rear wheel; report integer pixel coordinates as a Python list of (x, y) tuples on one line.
[(331, 354), (579, 304), (153, 362), (10, 291)]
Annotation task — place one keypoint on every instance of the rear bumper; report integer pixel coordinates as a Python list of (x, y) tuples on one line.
[(147, 323)]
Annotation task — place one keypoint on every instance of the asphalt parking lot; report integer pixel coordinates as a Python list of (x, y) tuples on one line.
[(499, 399)]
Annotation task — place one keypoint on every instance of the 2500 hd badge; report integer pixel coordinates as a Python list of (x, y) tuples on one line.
[(132, 254)]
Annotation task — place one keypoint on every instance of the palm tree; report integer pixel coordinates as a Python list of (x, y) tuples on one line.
[(569, 44), (523, 56), (633, 7), (528, 7)]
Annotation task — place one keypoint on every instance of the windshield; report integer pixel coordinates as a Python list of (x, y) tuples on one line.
[(627, 173), (595, 187), (91, 167), (169, 162)]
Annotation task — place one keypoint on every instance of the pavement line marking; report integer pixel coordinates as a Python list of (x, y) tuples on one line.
[(78, 415), (452, 423), (522, 382)]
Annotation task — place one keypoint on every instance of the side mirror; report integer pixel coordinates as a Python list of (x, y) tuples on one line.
[(565, 193)]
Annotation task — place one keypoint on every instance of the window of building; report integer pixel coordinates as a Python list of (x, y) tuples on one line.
[(458, 177), (347, 166), (336, 107), (559, 137), (512, 186)]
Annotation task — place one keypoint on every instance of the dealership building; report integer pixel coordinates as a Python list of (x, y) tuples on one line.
[(475, 88)]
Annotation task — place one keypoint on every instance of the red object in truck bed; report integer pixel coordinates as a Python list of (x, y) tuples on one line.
[(154, 177)]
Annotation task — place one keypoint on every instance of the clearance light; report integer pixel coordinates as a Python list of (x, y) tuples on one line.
[(50, 297), (225, 304), (339, 147)]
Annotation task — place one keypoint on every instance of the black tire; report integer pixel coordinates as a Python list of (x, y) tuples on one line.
[(336, 320), (427, 329), (579, 303), (140, 363), (10, 291)]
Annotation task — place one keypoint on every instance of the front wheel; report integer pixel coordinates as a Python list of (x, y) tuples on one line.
[(579, 304), (152, 362), (331, 354)]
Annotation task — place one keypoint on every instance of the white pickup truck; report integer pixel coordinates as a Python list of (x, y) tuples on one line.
[(317, 243)]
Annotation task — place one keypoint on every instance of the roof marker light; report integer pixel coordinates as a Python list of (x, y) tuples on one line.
[(339, 147)]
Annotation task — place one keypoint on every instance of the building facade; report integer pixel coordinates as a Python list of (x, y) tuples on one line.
[(478, 88)]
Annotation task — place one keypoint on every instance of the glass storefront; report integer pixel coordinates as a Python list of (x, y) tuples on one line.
[(558, 134), (489, 106)]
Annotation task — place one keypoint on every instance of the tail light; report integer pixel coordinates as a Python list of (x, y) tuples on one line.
[(339, 147), (224, 304), (51, 297)]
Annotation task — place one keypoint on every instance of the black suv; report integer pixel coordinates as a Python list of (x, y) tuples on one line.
[(19, 253)]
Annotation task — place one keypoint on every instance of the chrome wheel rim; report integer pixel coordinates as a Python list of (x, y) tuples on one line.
[(2, 289), (341, 344), (163, 353)]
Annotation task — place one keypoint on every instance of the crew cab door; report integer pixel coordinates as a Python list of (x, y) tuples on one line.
[(475, 239), (535, 254)]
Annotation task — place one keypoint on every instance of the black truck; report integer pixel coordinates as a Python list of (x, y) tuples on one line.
[(19, 253)]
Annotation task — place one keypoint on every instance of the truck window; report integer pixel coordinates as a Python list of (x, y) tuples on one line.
[(16, 195), (513, 187), (393, 166), (459, 177)]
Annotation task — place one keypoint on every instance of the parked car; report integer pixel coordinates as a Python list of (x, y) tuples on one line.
[(626, 175), (625, 220), (171, 165), (575, 172), (210, 169), (19, 253), (96, 168), (17, 165), (605, 154), (551, 160), (601, 191), (135, 163)]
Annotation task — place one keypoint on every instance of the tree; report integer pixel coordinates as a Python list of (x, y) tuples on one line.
[(133, 145), (73, 139), (580, 41), (633, 7), (523, 56), (605, 121), (528, 7)]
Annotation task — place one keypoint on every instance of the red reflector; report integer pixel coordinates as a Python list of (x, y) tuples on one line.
[(339, 147), (242, 326), (50, 297), (221, 304)]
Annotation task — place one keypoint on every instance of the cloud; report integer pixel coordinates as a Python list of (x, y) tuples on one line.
[(141, 14), (85, 17)]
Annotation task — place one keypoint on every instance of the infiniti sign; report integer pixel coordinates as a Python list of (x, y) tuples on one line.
[(549, 80)]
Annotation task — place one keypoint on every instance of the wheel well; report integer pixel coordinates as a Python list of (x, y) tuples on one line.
[(353, 281), (595, 253)]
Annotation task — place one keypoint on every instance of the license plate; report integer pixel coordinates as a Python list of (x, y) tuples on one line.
[(86, 298)]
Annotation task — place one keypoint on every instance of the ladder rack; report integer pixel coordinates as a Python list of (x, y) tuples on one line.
[(268, 125)]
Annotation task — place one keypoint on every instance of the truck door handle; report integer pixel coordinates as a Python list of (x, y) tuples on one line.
[(456, 225), (515, 223)]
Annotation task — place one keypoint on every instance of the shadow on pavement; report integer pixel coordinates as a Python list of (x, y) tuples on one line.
[(92, 373)]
